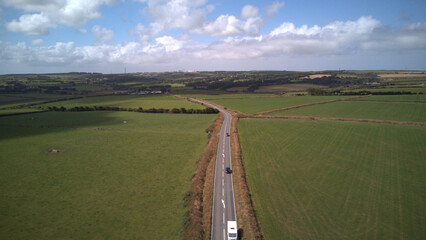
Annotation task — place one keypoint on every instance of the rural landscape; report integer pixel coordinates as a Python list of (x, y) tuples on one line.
[(212, 120), (315, 155)]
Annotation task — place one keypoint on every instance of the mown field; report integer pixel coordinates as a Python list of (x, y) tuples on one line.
[(395, 98), (288, 88), (336, 180), (10, 100), (129, 101), (398, 111), (231, 95), (18, 110), (392, 89), (255, 105), (113, 180)]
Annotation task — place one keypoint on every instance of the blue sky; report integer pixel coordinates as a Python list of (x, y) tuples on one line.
[(170, 35)]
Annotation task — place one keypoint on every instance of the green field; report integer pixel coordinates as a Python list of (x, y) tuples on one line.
[(114, 180), (239, 95), (395, 98), (129, 101), (18, 110), (10, 100), (398, 111), (390, 89), (336, 180), (255, 105)]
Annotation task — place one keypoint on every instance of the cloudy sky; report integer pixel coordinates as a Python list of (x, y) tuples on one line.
[(41, 36)]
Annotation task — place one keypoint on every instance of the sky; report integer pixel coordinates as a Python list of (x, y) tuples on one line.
[(114, 36)]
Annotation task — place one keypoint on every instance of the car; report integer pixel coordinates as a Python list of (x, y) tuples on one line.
[(227, 134), (228, 170)]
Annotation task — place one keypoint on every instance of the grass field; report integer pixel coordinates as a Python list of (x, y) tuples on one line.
[(394, 89), (233, 95), (398, 111), (336, 180), (129, 101), (114, 180), (254, 105), (18, 110), (10, 100), (395, 98), (288, 88)]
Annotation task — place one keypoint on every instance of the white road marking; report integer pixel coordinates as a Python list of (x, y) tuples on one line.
[(223, 192), (223, 202), (224, 235), (223, 218)]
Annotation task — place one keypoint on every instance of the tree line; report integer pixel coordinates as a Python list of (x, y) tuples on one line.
[(140, 109)]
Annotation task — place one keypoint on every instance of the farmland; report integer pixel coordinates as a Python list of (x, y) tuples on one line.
[(129, 101), (335, 180), (254, 105), (116, 175), (395, 98), (398, 111)]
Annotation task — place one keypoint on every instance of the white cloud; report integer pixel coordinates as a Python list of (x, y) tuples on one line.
[(226, 25), (185, 14), (142, 32), (32, 24), (82, 30), (249, 11), (37, 42), (49, 13), (103, 35), (273, 8)]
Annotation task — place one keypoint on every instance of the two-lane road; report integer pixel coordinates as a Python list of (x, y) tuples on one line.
[(223, 193)]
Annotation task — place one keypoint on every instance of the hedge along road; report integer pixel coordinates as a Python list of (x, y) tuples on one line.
[(223, 191)]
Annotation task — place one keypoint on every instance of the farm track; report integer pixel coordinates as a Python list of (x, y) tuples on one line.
[(337, 119), (310, 104), (389, 101)]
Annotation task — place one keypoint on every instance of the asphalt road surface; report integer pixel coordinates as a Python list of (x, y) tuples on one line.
[(223, 193)]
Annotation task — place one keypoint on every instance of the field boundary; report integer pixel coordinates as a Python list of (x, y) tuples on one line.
[(336, 119), (310, 104), (21, 113), (389, 101), (198, 200)]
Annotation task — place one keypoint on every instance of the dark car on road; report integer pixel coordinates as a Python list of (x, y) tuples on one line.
[(228, 170)]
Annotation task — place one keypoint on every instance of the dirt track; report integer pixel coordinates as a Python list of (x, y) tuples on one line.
[(310, 104), (337, 119)]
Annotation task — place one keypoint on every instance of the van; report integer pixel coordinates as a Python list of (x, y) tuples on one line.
[(232, 230)]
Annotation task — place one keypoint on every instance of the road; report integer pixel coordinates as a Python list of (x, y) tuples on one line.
[(223, 193)]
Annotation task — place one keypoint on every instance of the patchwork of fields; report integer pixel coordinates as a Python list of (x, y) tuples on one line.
[(129, 101), (398, 111), (118, 175), (255, 105), (336, 180)]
